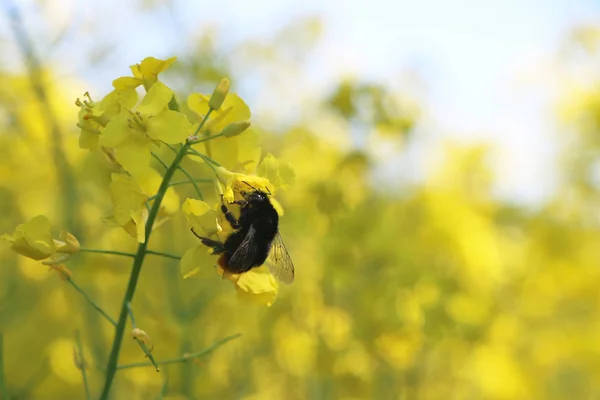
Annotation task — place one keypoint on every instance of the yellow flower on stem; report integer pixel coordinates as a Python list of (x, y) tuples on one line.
[(93, 116), (34, 240), (132, 134), (144, 73)]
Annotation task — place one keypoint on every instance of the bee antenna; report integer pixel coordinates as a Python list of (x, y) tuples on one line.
[(250, 185)]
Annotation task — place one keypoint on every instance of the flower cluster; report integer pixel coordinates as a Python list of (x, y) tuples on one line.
[(131, 130)]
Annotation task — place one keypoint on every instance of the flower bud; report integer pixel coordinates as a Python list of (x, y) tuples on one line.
[(219, 94), (68, 244), (235, 128)]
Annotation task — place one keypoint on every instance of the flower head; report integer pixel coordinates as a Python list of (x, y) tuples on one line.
[(144, 73), (34, 240)]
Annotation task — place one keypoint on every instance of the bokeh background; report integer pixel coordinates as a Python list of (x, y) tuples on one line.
[(444, 221)]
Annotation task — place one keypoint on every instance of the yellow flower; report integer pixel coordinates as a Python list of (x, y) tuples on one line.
[(93, 117), (129, 211), (201, 217), (236, 183), (132, 134), (34, 240), (257, 285), (144, 73)]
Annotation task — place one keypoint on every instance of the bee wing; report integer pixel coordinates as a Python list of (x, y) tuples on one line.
[(244, 255), (279, 261)]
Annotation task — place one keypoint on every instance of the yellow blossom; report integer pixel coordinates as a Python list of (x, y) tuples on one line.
[(201, 217), (33, 239), (256, 286), (236, 183), (145, 73)]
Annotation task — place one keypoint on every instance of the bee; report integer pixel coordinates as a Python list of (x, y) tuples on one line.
[(255, 239)]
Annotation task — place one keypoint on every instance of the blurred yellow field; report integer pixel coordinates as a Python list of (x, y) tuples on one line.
[(419, 284)]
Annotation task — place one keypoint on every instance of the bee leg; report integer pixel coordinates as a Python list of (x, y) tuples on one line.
[(228, 215), (217, 246)]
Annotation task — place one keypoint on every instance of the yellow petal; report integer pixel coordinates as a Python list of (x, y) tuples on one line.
[(116, 132), (242, 183), (198, 103), (134, 155), (201, 217), (257, 286), (150, 67), (33, 239), (156, 100), (116, 101), (127, 198), (126, 82), (171, 127), (276, 171), (191, 261)]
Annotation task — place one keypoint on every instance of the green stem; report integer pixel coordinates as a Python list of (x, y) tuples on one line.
[(192, 181), (207, 138), (91, 302), (130, 311), (207, 160), (210, 110), (3, 388), (88, 396), (157, 158), (167, 255), (136, 269), (115, 253), (185, 357)]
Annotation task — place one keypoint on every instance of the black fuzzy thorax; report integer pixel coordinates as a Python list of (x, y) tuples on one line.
[(258, 218)]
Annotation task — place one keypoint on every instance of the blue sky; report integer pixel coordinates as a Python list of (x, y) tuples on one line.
[(487, 66)]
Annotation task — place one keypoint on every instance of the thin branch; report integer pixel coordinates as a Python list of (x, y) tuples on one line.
[(185, 357), (114, 253), (192, 181), (167, 255), (92, 302), (81, 366), (157, 158)]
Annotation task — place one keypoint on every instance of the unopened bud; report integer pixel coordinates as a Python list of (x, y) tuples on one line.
[(68, 244), (235, 128), (219, 94), (143, 337)]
